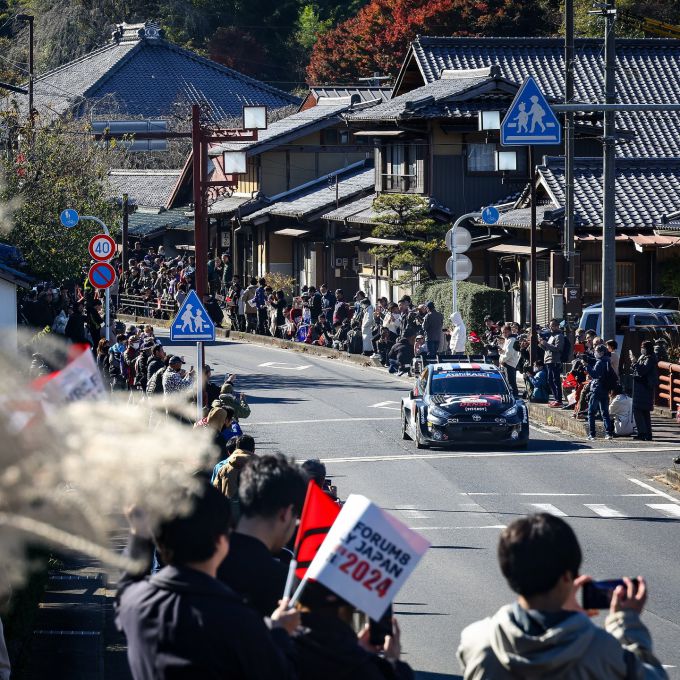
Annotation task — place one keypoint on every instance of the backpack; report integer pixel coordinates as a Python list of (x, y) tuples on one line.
[(609, 380), (355, 342), (565, 357), (155, 382), (228, 477)]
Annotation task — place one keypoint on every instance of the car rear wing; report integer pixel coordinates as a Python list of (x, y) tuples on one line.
[(456, 358)]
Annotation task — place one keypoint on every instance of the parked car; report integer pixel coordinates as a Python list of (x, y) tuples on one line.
[(630, 317), (463, 402), (644, 301)]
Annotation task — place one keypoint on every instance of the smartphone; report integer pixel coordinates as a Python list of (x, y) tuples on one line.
[(379, 630), (598, 594)]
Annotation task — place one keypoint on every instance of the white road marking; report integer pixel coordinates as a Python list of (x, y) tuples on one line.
[(386, 405), (670, 509), (411, 512), (440, 455), (549, 508), (490, 526), (604, 510), (644, 485), (284, 366), (322, 420)]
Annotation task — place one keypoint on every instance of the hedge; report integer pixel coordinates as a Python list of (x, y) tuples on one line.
[(474, 301)]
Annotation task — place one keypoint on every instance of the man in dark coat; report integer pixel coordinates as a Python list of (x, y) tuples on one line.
[(432, 327), (182, 623), (645, 381)]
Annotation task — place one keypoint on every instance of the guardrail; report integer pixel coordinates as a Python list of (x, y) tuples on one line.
[(669, 385), (155, 308)]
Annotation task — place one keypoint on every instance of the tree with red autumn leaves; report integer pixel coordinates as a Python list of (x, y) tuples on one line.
[(376, 39)]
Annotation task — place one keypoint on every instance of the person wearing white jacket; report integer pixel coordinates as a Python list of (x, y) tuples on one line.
[(458, 334), (509, 357), (367, 323), (621, 412)]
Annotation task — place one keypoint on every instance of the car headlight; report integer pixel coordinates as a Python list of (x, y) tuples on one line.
[(511, 412), (437, 412)]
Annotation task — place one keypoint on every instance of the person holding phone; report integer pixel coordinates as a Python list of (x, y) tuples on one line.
[(327, 647), (546, 633)]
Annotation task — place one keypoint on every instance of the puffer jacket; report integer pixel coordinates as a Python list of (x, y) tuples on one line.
[(515, 643)]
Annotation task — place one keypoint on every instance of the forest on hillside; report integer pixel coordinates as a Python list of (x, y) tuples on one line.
[(291, 42)]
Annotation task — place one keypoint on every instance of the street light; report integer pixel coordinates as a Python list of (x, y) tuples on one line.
[(234, 162), (506, 161), (255, 118)]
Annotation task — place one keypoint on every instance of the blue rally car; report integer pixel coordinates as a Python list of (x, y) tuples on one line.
[(463, 402)]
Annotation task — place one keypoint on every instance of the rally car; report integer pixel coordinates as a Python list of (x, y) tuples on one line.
[(463, 402)]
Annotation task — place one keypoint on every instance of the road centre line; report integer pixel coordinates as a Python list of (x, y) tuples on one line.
[(441, 455), (321, 420), (657, 492)]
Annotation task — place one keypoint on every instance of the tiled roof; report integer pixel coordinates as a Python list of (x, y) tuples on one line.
[(147, 77), (646, 190), (359, 211), (290, 127), (228, 204), (145, 224), (366, 92), (145, 188), (414, 104), (648, 70), (521, 217), (320, 194)]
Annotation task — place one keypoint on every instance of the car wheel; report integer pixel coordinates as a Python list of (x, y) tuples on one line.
[(420, 442), (404, 426)]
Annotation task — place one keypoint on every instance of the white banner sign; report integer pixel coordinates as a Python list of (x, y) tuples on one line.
[(78, 380), (367, 556)]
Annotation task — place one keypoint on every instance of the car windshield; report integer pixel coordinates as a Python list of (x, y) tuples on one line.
[(467, 383)]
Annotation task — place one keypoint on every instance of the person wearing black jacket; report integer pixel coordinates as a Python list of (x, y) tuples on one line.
[(327, 647), (400, 356), (315, 303), (182, 623), (271, 494), (156, 361), (645, 381), (75, 326)]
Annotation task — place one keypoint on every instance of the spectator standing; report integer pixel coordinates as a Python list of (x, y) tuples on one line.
[(613, 349), (95, 321), (599, 392), (546, 634), (327, 302), (315, 303), (645, 381), (250, 307), (553, 348), (433, 325), (271, 494), (175, 379), (509, 356), (367, 322), (458, 334), (261, 307), (75, 326), (182, 622)]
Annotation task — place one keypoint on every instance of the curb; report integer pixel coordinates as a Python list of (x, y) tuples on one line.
[(563, 420), (673, 478), (265, 340)]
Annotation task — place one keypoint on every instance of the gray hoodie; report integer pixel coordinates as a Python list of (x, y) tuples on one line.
[(532, 645)]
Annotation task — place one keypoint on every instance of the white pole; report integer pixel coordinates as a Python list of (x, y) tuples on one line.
[(107, 323), (454, 256), (199, 380), (289, 579)]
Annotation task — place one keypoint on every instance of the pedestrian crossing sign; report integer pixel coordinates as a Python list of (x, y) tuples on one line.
[(192, 321), (530, 120)]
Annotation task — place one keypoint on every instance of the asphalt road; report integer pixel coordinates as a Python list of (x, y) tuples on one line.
[(347, 415)]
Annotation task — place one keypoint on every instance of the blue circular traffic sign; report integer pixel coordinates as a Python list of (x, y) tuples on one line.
[(490, 215), (102, 275), (69, 217)]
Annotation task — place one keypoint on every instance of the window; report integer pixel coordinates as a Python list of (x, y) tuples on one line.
[(592, 278), (334, 137), (402, 168), (481, 157)]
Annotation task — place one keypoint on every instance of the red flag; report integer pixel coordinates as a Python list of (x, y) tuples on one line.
[(318, 515)]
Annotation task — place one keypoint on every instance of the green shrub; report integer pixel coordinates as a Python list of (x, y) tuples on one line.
[(474, 301), (669, 277)]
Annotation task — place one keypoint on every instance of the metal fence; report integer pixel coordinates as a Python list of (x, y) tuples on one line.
[(669, 385), (139, 305)]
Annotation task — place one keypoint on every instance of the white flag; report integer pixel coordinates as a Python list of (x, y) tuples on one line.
[(367, 556)]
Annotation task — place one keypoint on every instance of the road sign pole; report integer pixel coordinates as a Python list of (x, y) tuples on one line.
[(199, 380), (534, 269), (107, 313)]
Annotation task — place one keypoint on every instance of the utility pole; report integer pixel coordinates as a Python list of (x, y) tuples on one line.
[(609, 179), (569, 248), (29, 18), (533, 346), (200, 235), (124, 237)]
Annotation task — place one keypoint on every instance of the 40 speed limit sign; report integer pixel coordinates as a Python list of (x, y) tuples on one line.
[(102, 248)]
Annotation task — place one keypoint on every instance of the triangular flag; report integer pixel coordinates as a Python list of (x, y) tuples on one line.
[(318, 514)]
